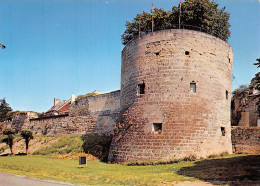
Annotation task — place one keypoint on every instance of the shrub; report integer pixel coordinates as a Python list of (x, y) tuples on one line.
[(191, 157), (224, 154)]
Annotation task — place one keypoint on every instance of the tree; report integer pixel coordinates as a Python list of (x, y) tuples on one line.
[(27, 135), (9, 140), (257, 62), (4, 109), (257, 85), (203, 14)]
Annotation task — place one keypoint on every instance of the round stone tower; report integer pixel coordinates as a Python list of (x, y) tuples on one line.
[(175, 97)]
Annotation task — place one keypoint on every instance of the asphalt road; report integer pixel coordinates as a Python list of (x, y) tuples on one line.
[(16, 180)]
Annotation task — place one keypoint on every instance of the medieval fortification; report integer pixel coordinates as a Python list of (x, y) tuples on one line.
[(174, 100)]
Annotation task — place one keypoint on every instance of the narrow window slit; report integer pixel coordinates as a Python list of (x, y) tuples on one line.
[(226, 94), (141, 88), (223, 131), (193, 87)]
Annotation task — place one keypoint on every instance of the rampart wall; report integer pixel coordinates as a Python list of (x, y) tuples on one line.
[(92, 114), (246, 140)]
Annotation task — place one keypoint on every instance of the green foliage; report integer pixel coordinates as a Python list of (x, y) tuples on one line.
[(223, 154), (8, 131), (9, 138), (27, 136), (64, 145), (4, 109), (161, 20), (257, 63), (97, 145), (191, 157), (240, 90), (204, 14), (2, 149), (87, 95)]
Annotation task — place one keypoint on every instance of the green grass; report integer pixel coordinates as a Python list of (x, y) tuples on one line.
[(242, 167), (2, 149), (65, 170), (63, 145)]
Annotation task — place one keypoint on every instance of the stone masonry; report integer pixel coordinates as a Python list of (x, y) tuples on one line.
[(91, 114), (246, 140), (175, 97)]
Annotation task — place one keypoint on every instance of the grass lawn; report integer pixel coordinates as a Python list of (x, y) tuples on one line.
[(97, 173)]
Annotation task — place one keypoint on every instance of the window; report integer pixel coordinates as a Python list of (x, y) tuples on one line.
[(226, 94), (157, 127), (157, 53), (223, 131), (141, 88), (193, 87)]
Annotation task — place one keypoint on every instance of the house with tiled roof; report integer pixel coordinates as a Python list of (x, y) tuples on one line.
[(60, 107)]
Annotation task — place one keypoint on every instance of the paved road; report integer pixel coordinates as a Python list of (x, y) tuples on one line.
[(16, 180)]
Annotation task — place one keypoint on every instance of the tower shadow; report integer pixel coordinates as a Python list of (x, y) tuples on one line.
[(244, 170)]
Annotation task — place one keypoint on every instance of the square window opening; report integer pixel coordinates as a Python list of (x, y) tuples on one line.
[(141, 88), (223, 131), (193, 87), (157, 127)]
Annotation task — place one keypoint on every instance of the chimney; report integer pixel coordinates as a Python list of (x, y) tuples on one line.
[(56, 101), (72, 98)]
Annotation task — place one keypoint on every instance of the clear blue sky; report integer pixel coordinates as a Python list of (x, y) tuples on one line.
[(58, 47)]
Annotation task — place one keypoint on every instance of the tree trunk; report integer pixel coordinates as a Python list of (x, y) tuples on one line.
[(27, 146)]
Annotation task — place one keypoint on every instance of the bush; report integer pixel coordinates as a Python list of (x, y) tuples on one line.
[(191, 157), (97, 145)]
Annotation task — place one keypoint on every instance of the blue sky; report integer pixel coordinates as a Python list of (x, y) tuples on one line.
[(58, 47)]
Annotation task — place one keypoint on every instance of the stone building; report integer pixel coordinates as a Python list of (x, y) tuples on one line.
[(175, 97), (244, 108), (174, 101)]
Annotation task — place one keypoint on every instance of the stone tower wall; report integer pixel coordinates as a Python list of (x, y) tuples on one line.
[(167, 62)]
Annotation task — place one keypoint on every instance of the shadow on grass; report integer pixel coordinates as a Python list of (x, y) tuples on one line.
[(4, 154), (18, 154), (234, 171)]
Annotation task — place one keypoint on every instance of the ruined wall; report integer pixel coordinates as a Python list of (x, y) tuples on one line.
[(21, 118), (253, 115), (62, 125), (246, 140), (167, 63), (92, 114)]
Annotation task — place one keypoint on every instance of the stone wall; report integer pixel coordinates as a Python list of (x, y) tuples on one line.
[(165, 64), (246, 140), (91, 114), (253, 115)]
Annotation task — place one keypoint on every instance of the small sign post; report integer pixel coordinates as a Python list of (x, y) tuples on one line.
[(83, 160)]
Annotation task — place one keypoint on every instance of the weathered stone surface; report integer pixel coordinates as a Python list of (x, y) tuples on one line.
[(92, 114), (246, 140), (192, 123)]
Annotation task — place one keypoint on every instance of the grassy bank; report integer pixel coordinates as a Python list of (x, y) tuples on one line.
[(66, 170), (236, 168)]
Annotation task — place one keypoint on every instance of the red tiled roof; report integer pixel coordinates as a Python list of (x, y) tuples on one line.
[(65, 108)]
